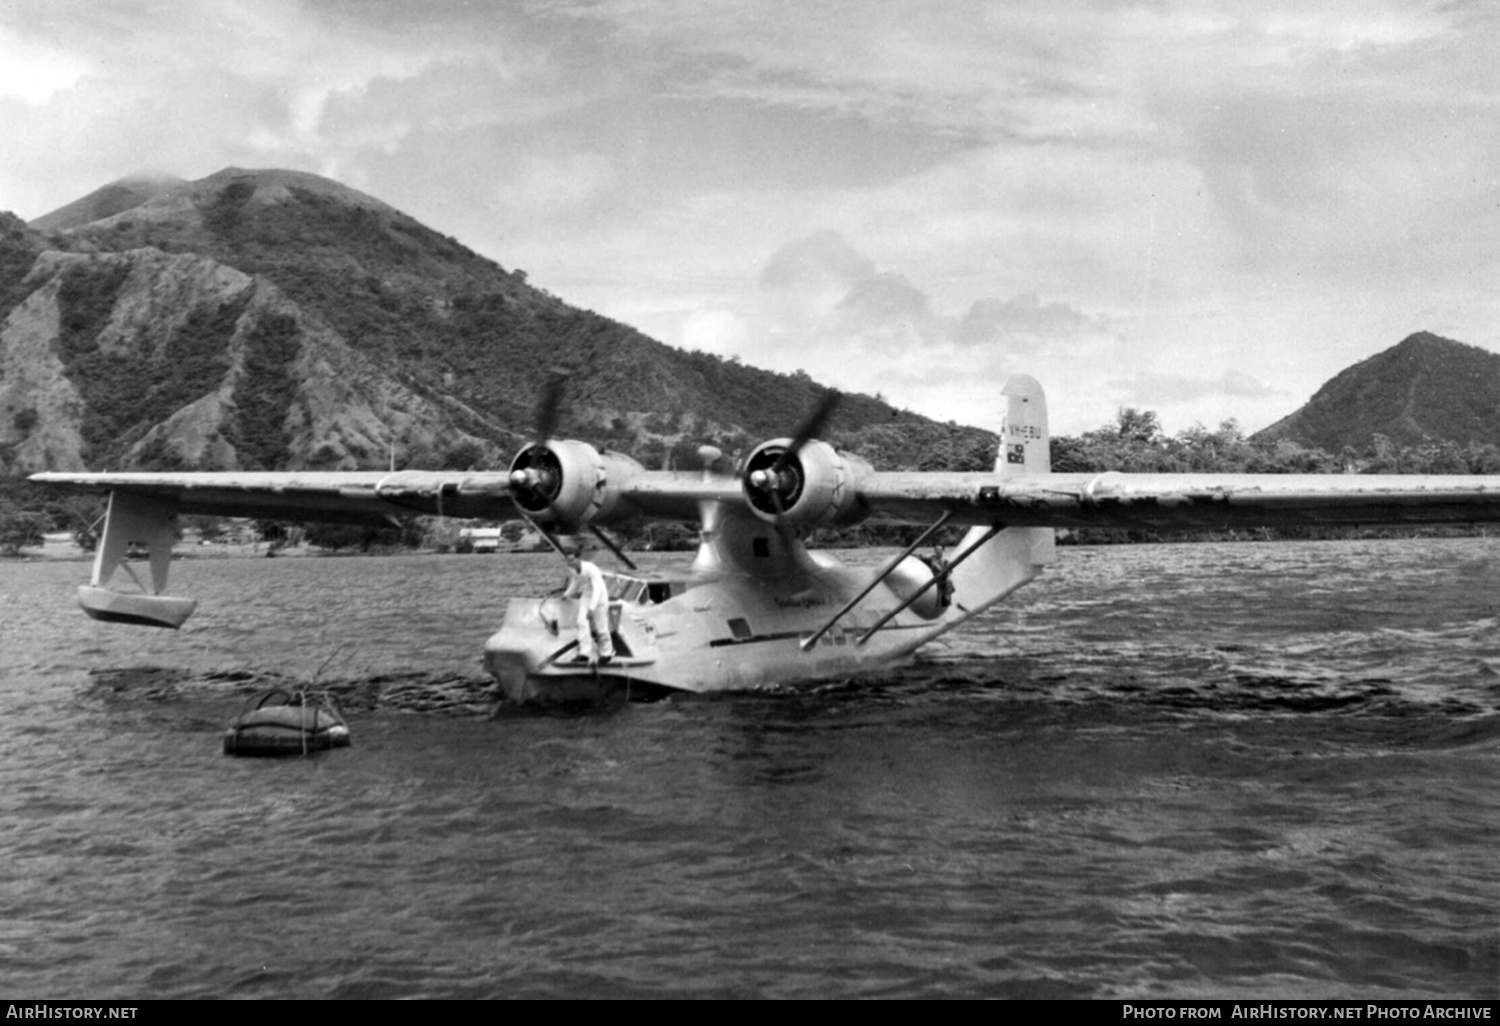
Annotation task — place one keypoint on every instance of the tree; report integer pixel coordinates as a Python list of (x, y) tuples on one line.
[(20, 529), (209, 528), (1135, 425), (465, 455), (339, 536)]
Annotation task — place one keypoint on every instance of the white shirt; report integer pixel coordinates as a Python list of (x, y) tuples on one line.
[(589, 586)]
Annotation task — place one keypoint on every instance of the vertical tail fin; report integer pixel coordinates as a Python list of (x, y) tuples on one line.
[(1017, 554), (1025, 442)]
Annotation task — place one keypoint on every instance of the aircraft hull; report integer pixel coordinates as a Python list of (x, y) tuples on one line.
[(726, 635)]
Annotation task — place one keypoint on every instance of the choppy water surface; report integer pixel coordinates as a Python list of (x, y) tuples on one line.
[(1224, 770)]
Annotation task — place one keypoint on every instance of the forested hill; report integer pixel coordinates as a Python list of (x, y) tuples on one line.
[(1426, 406), (1425, 390), (276, 319)]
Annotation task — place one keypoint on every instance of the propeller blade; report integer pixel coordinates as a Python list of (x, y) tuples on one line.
[(549, 405), (811, 427)]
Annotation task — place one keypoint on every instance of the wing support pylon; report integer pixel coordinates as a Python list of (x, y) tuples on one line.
[(937, 578), (134, 520), (880, 578)]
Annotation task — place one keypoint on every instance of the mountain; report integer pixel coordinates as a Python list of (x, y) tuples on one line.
[(260, 319), (1425, 389), (114, 198)]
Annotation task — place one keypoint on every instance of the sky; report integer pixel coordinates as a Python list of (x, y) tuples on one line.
[(1203, 209)]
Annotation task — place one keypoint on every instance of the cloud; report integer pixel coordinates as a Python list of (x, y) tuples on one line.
[(722, 332), (962, 65), (820, 285), (35, 71), (1024, 323), (541, 187), (1336, 188), (833, 312), (819, 262), (200, 84), (819, 288), (885, 312), (1154, 390)]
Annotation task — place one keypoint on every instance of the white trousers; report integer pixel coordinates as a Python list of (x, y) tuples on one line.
[(594, 642)]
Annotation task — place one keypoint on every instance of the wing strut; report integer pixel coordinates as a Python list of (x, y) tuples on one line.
[(546, 536), (610, 544), (946, 572), (885, 572)]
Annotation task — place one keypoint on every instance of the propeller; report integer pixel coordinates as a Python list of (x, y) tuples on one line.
[(537, 472), (774, 481)]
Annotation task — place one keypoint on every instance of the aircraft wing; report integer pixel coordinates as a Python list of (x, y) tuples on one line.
[(372, 497), (1109, 500), (1159, 502), (1175, 502)]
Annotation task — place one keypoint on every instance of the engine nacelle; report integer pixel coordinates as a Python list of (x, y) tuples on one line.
[(814, 486), (568, 485)]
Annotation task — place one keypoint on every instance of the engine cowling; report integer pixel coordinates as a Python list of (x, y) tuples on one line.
[(812, 487), (567, 484)]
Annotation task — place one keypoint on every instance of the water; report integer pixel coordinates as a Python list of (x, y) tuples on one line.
[(1164, 771)]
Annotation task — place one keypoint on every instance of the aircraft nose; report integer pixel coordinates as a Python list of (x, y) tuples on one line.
[(510, 664), (521, 643)]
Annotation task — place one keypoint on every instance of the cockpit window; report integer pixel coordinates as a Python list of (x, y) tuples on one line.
[(636, 591), (618, 586)]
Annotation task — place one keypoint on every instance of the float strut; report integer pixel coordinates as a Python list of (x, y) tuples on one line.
[(609, 544), (946, 572), (885, 572), (546, 536)]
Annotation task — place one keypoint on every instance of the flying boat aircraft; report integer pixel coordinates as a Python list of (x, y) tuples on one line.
[(757, 608)]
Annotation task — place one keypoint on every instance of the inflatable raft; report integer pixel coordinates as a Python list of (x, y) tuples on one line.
[(278, 722)]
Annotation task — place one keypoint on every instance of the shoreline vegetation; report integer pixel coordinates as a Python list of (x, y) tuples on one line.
[(63, 547), (45, 523)]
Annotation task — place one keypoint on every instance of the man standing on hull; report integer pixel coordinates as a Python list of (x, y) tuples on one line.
[(587, 585)]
